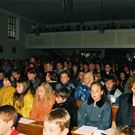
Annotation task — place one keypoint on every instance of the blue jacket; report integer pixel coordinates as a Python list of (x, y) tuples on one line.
[(97, 115), (82, 92)]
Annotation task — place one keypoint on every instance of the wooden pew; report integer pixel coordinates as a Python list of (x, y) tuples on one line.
[(30, 129)]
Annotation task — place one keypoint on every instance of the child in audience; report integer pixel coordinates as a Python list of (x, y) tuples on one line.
[(8, 118), (63, 101), (111, 90), (44, 100), (57, 122), (65, 82), (7, 91), (96, 111), (23, 99)]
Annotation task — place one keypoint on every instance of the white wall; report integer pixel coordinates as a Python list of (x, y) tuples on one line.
[(83, 39), (21, 51)]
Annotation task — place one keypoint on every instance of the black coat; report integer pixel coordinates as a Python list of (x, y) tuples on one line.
[(124, 114)]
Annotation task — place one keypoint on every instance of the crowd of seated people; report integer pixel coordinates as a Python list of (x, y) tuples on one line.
[(84, 27), (34, 88)]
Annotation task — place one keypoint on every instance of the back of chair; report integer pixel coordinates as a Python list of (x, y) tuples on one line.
[(78, 103), (114, 111)]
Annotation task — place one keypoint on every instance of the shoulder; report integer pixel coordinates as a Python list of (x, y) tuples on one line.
[(125, 95), (28, 95)]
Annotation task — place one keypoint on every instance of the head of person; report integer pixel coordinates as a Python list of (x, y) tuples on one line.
[(31, 73), (62, 95), (45, 92), (57, 122), (109, 83), (88, 79), (131, 84), (108, 67), (8, 118), (126, 130), (48, 76), (43, 89), (91, 67), (22, 87), (7, 82), (16, 74), (96, 91), (122, 75), (48, 66), (59, 65), (81, 76), (2, 75), (65, 77), (98, 66), (97, 77)]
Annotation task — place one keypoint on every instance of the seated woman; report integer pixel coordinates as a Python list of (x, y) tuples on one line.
[(23, 99), (97, 110), (126, 112), (44, 100)]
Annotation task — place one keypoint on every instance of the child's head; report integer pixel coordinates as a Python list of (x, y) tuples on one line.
[(7, 81), (31, 73), (62, 95), (96, 91), (65, 77), (109, 83), (126, 130), (131, 84), (57, 122), (43, 90), (22, 86), (8, 117)]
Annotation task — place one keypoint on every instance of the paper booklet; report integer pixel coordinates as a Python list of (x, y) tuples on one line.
[(85, 130), (26, 121)]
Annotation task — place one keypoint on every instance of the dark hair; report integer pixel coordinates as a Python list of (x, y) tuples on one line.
[(63, 93), (66, 72)]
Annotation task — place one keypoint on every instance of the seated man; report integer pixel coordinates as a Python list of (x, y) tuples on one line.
[(8, 118), (57, 122), (111, 91)]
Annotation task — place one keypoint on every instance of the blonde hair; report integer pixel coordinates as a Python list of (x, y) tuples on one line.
[(48, 97), (59, 116)]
